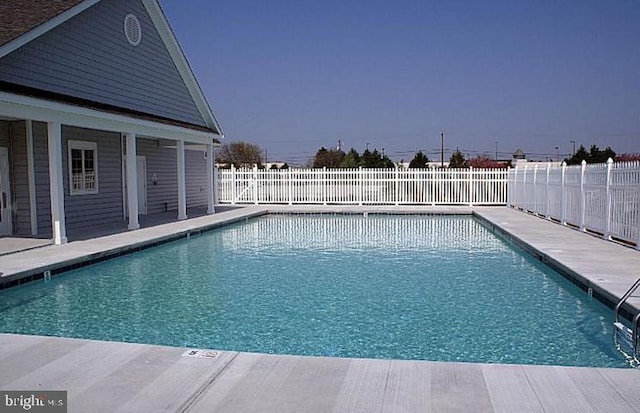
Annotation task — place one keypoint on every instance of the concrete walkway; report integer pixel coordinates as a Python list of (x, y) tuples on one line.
[(109, 376)]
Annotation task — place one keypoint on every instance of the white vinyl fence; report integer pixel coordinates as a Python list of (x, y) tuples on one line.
[(363, 186), (601, 198)]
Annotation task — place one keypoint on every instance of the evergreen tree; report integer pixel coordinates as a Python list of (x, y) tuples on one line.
[(595, 155), (457, 160), (419, 161), (351, 160), (330, 158)]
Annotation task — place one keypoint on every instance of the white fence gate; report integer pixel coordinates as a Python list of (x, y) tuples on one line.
[(364, 186), (601, 198)]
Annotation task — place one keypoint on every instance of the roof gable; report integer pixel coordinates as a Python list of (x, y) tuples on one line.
[(86, 56)]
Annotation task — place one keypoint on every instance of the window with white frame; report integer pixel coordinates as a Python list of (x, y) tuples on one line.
[(83, 167)]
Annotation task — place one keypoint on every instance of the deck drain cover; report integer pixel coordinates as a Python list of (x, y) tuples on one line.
[(205, 354)]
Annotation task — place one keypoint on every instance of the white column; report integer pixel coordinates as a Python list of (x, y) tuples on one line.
[(31, 176), (182, 192), (216, 177), (56, 188), (132, 181), (210, 180)]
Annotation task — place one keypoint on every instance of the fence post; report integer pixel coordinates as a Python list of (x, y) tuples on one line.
[(360, 186), (233, 184), (470, 183), (525, 198), (290, 188), (325, 184), (548, 212), (563, 219), (607, 231), (397, 188), (512, 188), (535, 189), (583, 196), (255, 184)]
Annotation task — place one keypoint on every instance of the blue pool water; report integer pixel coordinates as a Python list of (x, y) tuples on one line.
[(402, 287)]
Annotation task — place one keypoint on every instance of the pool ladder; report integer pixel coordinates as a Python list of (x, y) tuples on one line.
[(630, 334)]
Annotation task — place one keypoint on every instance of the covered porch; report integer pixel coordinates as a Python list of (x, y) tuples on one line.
[(64, 174)]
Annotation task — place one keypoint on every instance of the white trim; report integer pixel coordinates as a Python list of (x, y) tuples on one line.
[(210, 181), (182, 64), (45, 27), (31, 176), (182, 187), (56, 187), (83, 146), (25, 107)]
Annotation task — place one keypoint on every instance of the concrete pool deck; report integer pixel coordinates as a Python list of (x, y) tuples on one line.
[(111, 376)]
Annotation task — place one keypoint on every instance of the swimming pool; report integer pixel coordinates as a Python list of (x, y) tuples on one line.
[(403, 287)]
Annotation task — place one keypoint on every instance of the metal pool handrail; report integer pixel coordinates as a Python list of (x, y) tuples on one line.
[(636, 320), (624, 298)]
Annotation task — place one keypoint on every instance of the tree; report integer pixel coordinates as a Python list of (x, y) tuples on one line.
[(329, 158), (419, 161), (483, 162), (351, 160), (457, 160), (240, 154), (595, 155)]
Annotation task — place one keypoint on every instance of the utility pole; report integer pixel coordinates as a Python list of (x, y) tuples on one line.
[(441, 149), (496, 151), (574, 147), (339, 145)]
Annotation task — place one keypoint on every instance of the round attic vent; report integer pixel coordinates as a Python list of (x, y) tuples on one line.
[(132, 29)]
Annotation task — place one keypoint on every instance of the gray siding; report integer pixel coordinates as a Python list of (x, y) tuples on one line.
[(84, 212), (41, 162), (89, 57), (161, 160), (196, 178), (20, 180)]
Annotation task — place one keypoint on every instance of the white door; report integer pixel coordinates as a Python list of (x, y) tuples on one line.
[(5, 193), (141, 165)]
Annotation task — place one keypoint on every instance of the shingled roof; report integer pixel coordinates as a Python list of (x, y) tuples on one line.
[(18, 17)]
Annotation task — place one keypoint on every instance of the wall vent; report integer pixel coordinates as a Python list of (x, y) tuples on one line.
[(132, 29)]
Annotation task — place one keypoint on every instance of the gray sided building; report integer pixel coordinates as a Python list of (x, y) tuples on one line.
[(88, 88)]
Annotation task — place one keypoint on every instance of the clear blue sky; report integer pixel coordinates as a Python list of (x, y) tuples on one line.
[(292, 76)]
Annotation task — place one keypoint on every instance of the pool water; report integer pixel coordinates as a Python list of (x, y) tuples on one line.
[(402, 287)]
